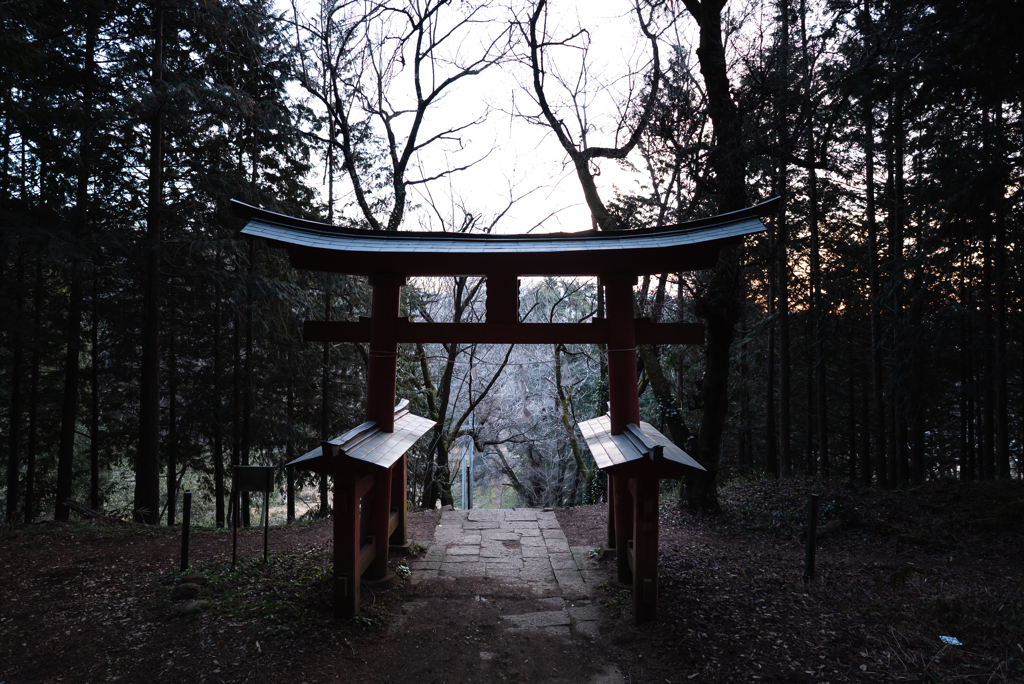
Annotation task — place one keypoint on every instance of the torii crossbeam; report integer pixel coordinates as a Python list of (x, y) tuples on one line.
[(634, 454)]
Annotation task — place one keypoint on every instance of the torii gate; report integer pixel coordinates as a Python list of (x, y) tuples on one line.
[(634, 454)]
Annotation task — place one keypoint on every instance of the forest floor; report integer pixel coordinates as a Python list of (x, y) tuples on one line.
[(94, 602)]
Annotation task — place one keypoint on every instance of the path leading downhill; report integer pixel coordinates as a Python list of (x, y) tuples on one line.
[(501, 596)]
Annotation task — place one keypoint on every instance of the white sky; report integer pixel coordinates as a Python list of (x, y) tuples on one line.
[(525, 156)]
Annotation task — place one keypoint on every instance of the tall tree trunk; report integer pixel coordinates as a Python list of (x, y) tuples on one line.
[(577, 454), (172, 428), (782, 247), (899, 464), (917, 402), (147, 464), (94, 394), (771, 455), (236, 412), (965, 403), (218, 404), (743, 447), (289, 444), (437, 483), (877, 375), (972, 412), (988, 457), (69, 411), (325, 400), (247, 386), (818, 335), (1002, 450), (17, 371), (720, 307), (865, 432), (851, 425), (809, 407), (33, 397)]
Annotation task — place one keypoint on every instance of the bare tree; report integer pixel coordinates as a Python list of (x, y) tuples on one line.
[(642, 85), (379, 69)]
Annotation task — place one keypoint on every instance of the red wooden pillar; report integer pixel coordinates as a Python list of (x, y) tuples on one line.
[(622, 390), (645, 548), (624, 404), (347, 543), (399, 496), (381, 374), (380, 519)]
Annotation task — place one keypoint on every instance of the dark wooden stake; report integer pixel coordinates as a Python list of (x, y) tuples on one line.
[(186, 525), (266, 523), (233, 517), (812, 525), (291, 494)]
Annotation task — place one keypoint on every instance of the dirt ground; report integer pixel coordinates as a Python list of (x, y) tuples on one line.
[(91, 602)]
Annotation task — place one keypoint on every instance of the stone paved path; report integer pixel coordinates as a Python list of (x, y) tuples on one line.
[(510, 579), (520, 544)]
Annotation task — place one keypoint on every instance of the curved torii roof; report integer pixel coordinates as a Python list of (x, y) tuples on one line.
[(683, 247)]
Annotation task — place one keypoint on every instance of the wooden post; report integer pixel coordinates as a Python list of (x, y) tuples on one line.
[(291, 494), (645, 548), (346, 544), (381, 374), (380, 520), (399, 494), (622, 391), (623, 528), (266, 521), (611, 513), (233, 516)]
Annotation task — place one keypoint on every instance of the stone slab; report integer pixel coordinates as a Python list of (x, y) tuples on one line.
[(521, 514), (468, 550), (499, 535), (534, 551), (563, 564), (547, 618), (557, 546), (583, 613), (482, 525), (482, 514)]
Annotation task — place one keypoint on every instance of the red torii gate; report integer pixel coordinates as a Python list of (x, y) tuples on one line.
[(634, 454)]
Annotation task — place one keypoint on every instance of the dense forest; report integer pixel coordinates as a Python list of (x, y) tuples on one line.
[(872, 332)]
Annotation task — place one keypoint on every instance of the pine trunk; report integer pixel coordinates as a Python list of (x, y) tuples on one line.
[(325, 401), (147, 464), (94, 395), (17, 370), (33, 396)]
